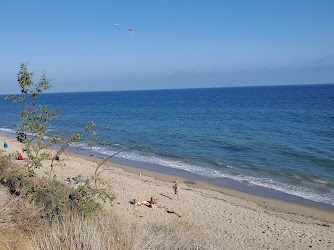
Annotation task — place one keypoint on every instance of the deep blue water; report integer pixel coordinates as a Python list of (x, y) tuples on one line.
[(280, 137)]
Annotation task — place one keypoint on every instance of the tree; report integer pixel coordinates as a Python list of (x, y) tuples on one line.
[(35, 120)]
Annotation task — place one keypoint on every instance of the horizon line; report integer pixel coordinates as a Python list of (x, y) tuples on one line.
[(164, 89)]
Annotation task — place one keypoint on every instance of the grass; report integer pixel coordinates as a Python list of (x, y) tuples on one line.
[(107, 231), (41, 214), (16, 218)]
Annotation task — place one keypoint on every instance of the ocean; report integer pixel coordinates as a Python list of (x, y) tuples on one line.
[(275, 141)]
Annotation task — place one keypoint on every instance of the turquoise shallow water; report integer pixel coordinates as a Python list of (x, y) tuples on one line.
[(279, 137)]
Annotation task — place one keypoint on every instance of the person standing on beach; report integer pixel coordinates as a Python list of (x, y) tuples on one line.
[(5, 145), (176, 190)]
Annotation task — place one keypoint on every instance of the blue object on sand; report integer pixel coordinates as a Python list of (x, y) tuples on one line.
[(73, 182), (5, 145)]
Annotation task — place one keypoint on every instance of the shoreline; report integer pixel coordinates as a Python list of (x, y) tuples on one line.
[(239, 220), (263, 201), (226, 183), (223, 182), (215, 183)]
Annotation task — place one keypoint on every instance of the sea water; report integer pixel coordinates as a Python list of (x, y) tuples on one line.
[(278, 138)]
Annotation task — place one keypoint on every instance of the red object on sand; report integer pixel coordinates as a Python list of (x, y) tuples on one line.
[(20, 157)]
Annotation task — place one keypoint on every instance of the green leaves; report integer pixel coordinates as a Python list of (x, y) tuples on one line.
[(27, 86), (75, 137), (10, 97), (89, 127), (24, 79), (91, 133)]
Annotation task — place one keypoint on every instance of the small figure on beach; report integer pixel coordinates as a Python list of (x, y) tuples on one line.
[(176, 190), (154, 203), (5, 145), (70, 180), (149, 203), (20, 157)]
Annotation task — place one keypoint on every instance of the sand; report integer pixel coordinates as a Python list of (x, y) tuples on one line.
[(240, 220)]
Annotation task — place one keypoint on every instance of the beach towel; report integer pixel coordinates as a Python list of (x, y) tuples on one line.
[(142, 203), (5, 145)]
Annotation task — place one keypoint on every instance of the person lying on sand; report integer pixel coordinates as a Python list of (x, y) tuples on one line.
[(150, 203), (74, 180), (154, 203), (70, 180)]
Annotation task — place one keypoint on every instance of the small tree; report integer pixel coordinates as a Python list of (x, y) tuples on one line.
[(96, 188), (35, 120)]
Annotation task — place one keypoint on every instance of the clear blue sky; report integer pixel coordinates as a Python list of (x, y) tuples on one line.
[(176, 43)]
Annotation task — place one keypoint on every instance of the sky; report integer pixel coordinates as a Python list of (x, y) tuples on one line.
[(175, 43)]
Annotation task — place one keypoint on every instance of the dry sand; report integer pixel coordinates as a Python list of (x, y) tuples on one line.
[(241, 221)]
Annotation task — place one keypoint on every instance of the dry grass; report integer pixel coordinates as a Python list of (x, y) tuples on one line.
[(106, 231), (12, 239), (16, 219), (22, 228)]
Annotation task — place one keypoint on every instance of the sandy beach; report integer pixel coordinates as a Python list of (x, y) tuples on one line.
[(240, 220)]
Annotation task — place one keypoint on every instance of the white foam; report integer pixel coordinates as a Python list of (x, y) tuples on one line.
[(155, 160), (8, 130), (12, 131), (287, 188), (212, 173), (320, 181), (80, 145)]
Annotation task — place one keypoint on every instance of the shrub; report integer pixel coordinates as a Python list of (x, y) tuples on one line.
[(55, 197)]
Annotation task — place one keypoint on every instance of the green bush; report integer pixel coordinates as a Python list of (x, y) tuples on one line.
[(57, 199)]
